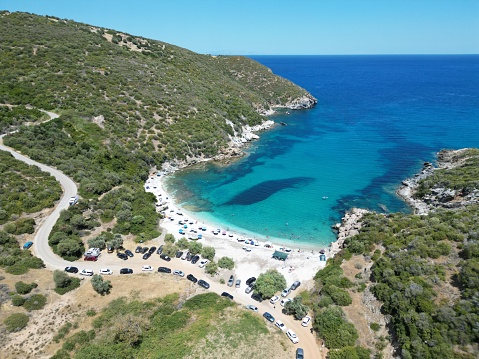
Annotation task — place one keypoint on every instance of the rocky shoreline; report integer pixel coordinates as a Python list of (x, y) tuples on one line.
[(349, 226)]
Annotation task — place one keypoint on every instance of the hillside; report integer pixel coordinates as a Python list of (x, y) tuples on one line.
[(127, 104)]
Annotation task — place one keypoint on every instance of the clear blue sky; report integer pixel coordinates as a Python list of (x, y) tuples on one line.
[(280, 27)]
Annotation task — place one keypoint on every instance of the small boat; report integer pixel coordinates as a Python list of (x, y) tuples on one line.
[(223, 233), (325, 197), (282, 124)]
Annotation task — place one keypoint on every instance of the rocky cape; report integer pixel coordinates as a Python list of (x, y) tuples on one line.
[(439, 197)]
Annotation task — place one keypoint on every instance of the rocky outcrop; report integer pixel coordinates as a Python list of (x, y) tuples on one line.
[(304, 102), (438, 196), (349, 226)]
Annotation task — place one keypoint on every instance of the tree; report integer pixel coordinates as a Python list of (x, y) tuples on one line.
[(211, 268), (182, 243), (24, 288), (226, 262), (170, 249), (16, 322), (269, 283), (195, 247), (61, 279), (70, 248), (208, 253), (169, 238), (296, 308), (97, 242), (99, 285)]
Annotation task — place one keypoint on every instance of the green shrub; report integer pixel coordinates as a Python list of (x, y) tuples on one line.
[(24, 288), (35, 302), (16, 322), (74, 284), (18, 300), (100, 285), (374, 326), (226, 262)]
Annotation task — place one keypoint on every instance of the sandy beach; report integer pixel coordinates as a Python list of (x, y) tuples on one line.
[(301, 264)]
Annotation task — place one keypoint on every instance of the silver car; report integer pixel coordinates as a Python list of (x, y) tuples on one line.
[(238, 283)]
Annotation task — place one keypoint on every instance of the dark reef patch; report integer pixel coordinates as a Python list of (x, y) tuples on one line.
[(265, 189)]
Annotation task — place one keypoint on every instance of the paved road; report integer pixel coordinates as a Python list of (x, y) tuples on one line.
[(307, 341)]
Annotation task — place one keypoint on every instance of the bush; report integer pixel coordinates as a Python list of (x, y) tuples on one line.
[(208, 253), (35, 302), (169, 238), (24, 288), (16, 322), (269, 283), (61, 279), (211, 268), (296, 308), (226, 262), (374, 326), (74, 284), (18, 300), (99, 285)]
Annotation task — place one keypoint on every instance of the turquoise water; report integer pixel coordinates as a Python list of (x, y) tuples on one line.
[(377, 120)]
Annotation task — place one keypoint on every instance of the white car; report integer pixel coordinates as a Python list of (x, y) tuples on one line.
[(280, 325), (147, 268), (306, 321), (252, 307), (284, 301), (203, 263), (87, 272), (178, 273), (285, 292), (247, 249), (185, 254), (105, 271), (292, 336), (274, 299)]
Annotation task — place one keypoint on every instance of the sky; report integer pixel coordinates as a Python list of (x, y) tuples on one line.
[(282, 27)]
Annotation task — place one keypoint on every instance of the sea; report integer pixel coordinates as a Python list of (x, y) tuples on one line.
[(377, 120)]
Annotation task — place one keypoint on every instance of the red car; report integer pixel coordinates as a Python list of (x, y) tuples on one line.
[(90, 258)]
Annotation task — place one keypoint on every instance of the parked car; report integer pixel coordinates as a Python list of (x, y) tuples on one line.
[(28, 245), (274, 299), (251, 280), (292, 336), (231, 280), (252, 307), (178, 254), (295, 285), (90, 258), (299, 353), (164, 270), (139, 249), (152, 250), (285, 292), (192, 278), (268, 317), (238, 283), (284, 301), (203, 263), (160, 249), (195, 259), (189, 257), (144, 250), (257, 297), (129, 253), (146, 255), (178, 273), (122, 256), (204, 284), (183, 257), (126, 271), (109, 249), (147, 268), (280, 325), (106, 271), (248, 289), (165, 257), (71, 269), (306, 321), (87, 272), (227, 295)]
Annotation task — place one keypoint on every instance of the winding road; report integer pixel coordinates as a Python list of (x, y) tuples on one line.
[(307, 340)]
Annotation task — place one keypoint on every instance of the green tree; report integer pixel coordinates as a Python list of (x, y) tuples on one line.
[(169, 238), (269, 283), (170, 249), (24, 288), (296, 308), (211, 268), (331, 325), (70, 248), (195, 247), (182, 243), (61, 279), (226, 262), (99, 285), (208, 253)]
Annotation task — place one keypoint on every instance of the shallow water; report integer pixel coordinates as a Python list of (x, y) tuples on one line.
[(377, 120)]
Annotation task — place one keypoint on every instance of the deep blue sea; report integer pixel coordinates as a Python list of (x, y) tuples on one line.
[(378, 119)]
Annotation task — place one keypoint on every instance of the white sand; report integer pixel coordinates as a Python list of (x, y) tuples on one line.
[(300, 265)]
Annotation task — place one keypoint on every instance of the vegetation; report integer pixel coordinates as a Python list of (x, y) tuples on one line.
[(134, 329), (35, 302), (296, 308), (12, 117), (100, 285), (14, 259), (208, 253), (211, 268), (269, 283), (127, 104), (24, 189), (16, 322), (226, 262), (64, 283), (24, 288)]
